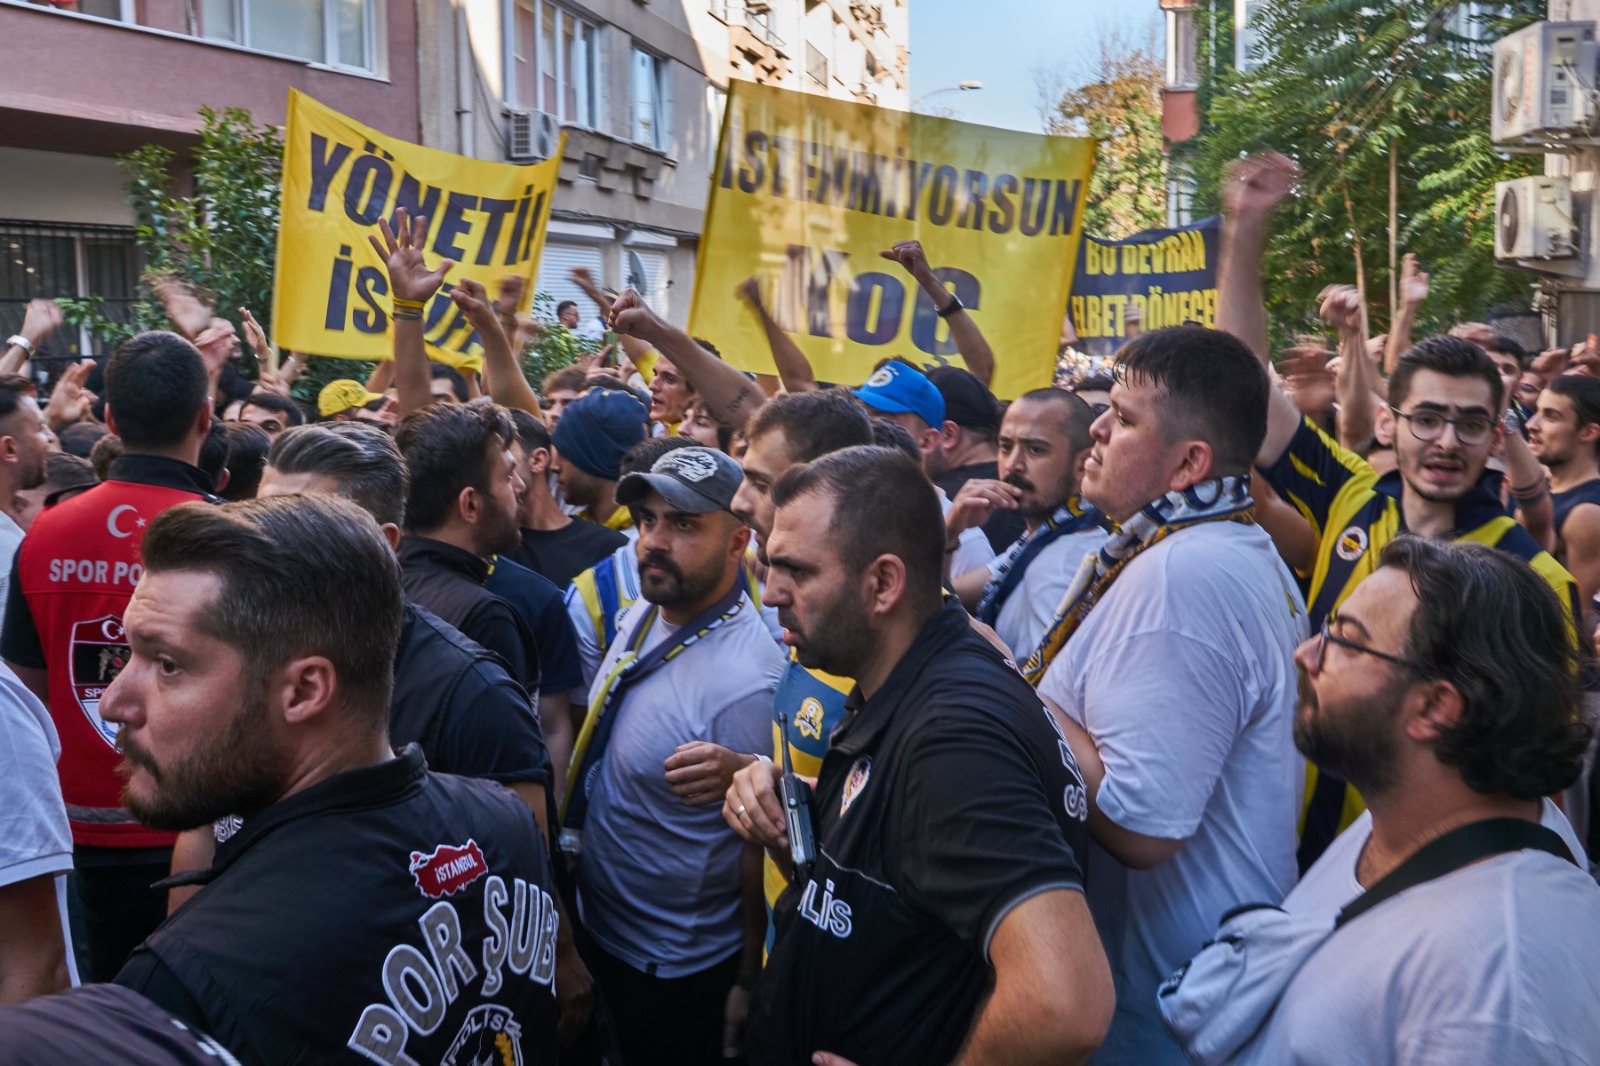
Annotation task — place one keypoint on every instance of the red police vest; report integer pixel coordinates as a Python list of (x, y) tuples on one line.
[(77, 567)]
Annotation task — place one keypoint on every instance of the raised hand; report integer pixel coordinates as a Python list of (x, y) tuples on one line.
[(42, 318), (401, 251), (70, 402), (1342, 307), (749, 290), (1255, 184), (473, 300), (256, 337), (1413, 281), (581, 275), (631, 315), (908, 254), (511, 289), (183, 307)]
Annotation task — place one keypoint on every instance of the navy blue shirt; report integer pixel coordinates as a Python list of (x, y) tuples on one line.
[(539, 604)]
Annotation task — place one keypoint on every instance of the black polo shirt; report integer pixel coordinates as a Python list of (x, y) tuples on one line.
[(387, 914), (943, 802), (449, 581)]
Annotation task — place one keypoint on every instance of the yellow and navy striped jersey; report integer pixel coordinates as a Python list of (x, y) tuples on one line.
[(813, 702), (1356, 514)]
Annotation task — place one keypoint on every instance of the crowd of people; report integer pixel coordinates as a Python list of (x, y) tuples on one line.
[(672, 714)]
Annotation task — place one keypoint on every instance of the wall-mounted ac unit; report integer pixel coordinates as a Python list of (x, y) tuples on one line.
[(1545, 85), (531, 136), (1533, 219)]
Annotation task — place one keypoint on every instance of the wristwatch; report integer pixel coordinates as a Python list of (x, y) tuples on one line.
[(21, 342), (952, 307)]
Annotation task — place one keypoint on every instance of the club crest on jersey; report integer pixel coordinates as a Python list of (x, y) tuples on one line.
[(808, 719), (1352, 544), (99, 651), (855, 783), (491, 1034), (447, 869)]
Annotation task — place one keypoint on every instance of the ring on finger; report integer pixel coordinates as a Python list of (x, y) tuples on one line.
[(739, 810)]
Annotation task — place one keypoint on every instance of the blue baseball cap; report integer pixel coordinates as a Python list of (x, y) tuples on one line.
[(895, 387)]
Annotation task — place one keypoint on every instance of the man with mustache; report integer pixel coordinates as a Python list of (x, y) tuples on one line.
[(659, 880), (1044, 440), (1444, 400)]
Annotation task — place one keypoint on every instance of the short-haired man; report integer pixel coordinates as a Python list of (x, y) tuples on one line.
[(903, 394), (25, 441), (271, 412), (968, 446), (446, 384), (1444, 401), (670, 393), (250, 697), (1044, 442), (560, 389), (1445, 689), (460, 510), (347, 400), (554, 544), (1564, 431), (659, 881), (595, 431), (247, 445), (907, 941), (1171, 666), (64, 637)]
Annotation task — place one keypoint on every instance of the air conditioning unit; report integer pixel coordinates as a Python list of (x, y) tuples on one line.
[(1533, 219), (531, 136), (1545, 85)]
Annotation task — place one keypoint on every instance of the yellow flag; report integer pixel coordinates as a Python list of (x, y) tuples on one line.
[(331, 290), (808, 190)]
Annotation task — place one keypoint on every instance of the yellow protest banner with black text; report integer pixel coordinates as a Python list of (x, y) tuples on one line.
[(331, 289), (808, 190)]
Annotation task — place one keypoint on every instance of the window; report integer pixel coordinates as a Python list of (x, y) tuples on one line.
[(649, 100), (1247, 34), (338, 33), (116, 10), (816, 67), (555, 63), (719, 8), (1182, 71), (41, 259)]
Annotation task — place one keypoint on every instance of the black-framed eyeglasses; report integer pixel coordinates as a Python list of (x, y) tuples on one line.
[(1328, 636), (1428, 425)]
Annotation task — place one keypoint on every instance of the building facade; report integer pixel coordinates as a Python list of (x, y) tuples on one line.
[(637, 87), (638, 90), (84, 82)]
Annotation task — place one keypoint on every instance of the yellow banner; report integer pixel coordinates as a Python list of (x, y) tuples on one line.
[(808, 190), (331, 290)]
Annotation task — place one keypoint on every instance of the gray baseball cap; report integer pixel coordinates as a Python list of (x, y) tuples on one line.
[(692, 480)]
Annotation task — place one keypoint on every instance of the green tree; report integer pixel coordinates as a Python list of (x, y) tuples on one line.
[(1120, 107), (1368, 97), (222, 238)]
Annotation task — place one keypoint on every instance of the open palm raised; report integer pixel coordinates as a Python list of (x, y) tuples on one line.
[(401, 250)]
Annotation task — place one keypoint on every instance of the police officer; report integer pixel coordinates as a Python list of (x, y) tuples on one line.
[(366, 905), (948, 814)]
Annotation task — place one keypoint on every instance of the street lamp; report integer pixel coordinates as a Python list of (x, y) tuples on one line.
[(966, 86)]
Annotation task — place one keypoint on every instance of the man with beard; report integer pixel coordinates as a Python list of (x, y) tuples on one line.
[(554, 545), (660, 882), (1444, 401), (25, 440), (462, 508), (1170, 668), (63, 632), (1445, 688), (1044, 441), (945, 909), (1565, 434), (358, 877)]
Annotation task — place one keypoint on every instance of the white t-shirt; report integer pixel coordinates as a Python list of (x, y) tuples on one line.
[(35, 839), (1028, 611), (1493, 963), (10, 541), (972, 547), (659, 880), (1183, 675)]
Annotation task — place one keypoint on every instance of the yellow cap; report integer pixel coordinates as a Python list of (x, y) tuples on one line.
[(342, 395)]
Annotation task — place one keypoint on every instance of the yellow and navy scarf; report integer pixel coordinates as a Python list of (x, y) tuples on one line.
[(1219, 500)]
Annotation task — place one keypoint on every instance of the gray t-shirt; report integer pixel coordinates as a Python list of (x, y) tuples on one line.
[(1494, 963), (35, 839), (659, 880), (1183, 676)]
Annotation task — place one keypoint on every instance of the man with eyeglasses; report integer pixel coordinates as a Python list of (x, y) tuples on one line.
[(1443, 400)]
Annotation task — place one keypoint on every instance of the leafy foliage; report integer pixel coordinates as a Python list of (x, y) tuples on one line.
[(1121, 109), (222, 238), (1341, 85)]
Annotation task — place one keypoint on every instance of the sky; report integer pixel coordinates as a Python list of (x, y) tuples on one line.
[(1004, 44)]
